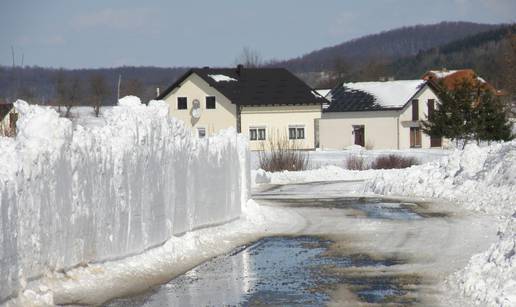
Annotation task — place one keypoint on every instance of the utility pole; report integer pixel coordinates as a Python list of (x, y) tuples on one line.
[(118, 89)]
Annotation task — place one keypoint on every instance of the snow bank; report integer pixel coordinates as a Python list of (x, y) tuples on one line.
[(480, 178), (483, 179), (75, 195)]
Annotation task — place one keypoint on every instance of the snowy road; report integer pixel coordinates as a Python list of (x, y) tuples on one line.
[(374, 251)]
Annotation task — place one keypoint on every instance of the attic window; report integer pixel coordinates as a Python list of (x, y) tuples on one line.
[(210, 102), (182, 103)]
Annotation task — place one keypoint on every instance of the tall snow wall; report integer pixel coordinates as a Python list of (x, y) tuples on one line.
[(73, 194)]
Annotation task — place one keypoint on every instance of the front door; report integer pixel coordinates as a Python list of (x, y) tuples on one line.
[(415, 137), (435, 141), (359, 132)]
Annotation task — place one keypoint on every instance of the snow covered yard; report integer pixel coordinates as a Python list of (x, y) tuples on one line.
[(479, 179), (322, 158)]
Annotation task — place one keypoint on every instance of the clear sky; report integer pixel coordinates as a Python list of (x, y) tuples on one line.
[(101, 33)]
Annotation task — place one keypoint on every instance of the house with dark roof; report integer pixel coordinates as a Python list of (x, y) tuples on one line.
[(261, 103), (379, 115)]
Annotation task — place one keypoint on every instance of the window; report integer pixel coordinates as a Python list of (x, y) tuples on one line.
[(431, 107), (415, 137), (415, 109), (257, 134), (210, 102), (182, 103), (296, 132), (201, 132)]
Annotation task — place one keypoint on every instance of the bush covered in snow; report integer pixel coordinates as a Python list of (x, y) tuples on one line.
[(72, 195)]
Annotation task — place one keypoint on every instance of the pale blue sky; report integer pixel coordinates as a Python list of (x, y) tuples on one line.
[(96, 33)]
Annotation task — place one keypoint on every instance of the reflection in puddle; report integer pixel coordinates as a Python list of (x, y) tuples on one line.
[(275, 271)]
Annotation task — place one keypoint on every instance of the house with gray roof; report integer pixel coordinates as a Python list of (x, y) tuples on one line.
[(378, 115)]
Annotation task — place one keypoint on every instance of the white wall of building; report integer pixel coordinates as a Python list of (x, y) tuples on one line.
[(383, 129), (277, 120)]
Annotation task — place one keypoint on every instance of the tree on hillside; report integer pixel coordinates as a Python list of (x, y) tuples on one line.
[(99, 91), (68, 91), (491, 122), (249, 58)]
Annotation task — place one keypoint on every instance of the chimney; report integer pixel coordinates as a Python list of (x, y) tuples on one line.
[(239, 69)]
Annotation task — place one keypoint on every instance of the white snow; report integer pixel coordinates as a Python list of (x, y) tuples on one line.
[(222, 78), (323, 92), (389, 94), (74, 194), (479, 178), (443, 73)]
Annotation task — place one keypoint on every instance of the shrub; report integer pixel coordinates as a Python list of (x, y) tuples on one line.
[(393, 161), (355, 163), (280, 154)]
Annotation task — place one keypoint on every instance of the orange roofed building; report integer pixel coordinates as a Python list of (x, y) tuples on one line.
[(451, 78)]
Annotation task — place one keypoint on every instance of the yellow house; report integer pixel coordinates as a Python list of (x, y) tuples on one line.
[(262, 103), (379, 115)]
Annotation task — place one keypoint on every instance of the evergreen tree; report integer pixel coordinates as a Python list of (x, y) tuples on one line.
[(453, 118), (491, 123)]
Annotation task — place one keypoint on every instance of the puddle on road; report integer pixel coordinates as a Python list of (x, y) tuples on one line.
[(374, 208), (281, 271)]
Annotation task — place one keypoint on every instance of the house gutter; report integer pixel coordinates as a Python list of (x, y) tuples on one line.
[(398, 131)]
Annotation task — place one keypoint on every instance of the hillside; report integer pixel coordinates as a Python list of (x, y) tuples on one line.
[(388, 45), (486, 53)]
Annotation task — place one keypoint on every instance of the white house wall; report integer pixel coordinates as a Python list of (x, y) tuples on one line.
[(381, 127), (213, 120), (336, 129), (277, 119)]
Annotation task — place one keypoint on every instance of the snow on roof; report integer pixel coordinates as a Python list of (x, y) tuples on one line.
[(323, 92), (389, 94), (222, 78), (443, 73)]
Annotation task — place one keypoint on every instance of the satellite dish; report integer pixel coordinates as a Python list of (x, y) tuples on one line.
[(196, 109)]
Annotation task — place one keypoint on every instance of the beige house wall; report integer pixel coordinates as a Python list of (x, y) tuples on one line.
[(213, 120), (277, 119), (336, 129), (383, 129)]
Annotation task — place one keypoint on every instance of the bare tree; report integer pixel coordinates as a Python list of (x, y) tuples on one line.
[(74, 94), (249, 58), (60, 88), (99, 91), (132, 87)]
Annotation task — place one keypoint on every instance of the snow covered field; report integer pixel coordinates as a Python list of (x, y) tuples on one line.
[(321, 158), (77, 194)]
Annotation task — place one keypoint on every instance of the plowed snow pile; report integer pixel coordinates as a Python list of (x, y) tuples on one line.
[(73, 194), (482, 179)]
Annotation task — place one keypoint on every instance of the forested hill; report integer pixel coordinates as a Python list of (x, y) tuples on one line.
[(37, 84), (384, 46), (491, 54)]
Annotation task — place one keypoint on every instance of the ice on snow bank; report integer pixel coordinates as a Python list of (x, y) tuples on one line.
[(490, 277), (71, 196), (482, 179)]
